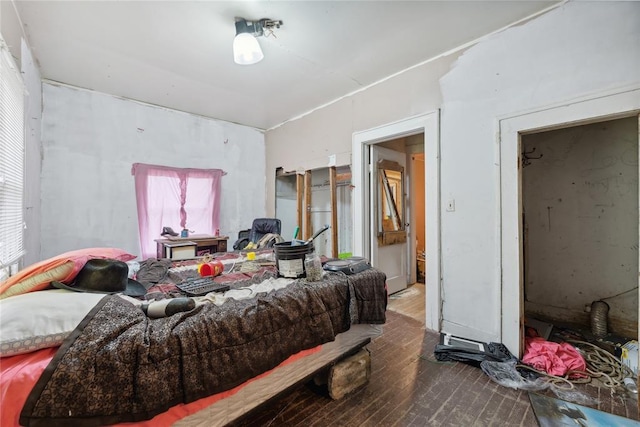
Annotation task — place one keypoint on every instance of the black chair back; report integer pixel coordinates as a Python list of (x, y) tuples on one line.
[(262, 226)]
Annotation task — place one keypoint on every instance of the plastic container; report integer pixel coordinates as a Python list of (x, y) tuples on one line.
[(313, 267), (290, 258), (629, 356), (212, 268)]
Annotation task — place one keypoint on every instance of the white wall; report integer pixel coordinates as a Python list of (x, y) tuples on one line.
[(33, 160), (11, 29), (287, 205), (307, 143), (579, 49), (89, 142), (576, 50)]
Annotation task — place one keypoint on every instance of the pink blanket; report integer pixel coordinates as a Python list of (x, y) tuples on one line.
[(551, 357)]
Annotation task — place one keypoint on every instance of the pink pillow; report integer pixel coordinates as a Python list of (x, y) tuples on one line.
[(38, 276)]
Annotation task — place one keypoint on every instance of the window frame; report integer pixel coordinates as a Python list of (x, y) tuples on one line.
[(12, 164), (168, 187)]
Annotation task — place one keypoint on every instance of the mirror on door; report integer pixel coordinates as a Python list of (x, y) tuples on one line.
[(391, 221)]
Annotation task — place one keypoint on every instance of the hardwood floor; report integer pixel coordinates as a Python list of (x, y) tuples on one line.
[(409, 387), (410, 302)]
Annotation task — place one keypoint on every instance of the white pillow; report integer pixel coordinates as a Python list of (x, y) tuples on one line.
[(41, 319)]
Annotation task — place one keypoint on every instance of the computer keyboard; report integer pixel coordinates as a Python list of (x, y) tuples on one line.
[(198, 286)]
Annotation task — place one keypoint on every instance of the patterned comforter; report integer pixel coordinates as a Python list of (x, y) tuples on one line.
[(121, 366)]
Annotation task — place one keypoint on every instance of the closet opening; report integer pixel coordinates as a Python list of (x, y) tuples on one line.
[(580, 229)]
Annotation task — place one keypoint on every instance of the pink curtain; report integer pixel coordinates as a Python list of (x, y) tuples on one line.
[(177, 198)]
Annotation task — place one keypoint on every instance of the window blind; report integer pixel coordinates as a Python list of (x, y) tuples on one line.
[(12, 152)]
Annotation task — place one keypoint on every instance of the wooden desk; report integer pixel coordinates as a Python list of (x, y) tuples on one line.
[(204, 244)]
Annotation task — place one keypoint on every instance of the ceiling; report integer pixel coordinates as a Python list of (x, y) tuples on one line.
[(178, 54)]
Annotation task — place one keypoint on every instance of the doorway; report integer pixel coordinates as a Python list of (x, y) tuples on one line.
[(513, 130), (580, 224), (428, 127), (305, 207)]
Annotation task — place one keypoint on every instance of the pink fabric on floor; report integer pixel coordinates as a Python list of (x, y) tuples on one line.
[(552, 357)]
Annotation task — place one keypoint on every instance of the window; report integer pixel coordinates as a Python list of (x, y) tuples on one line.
[(176, 198), (12, 151)]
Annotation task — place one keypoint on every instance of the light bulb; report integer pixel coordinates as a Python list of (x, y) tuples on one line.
[(246, 49)]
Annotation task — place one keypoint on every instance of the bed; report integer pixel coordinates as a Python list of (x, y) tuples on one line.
[(206, 366)]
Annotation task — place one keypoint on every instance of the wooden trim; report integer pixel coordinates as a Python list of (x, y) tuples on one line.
[(343, 177), (387, 238), (300, 200), (334, 211)]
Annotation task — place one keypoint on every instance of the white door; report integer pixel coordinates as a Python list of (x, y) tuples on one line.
[(388, 216)]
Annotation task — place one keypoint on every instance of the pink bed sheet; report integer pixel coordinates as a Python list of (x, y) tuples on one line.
[(18, 375)]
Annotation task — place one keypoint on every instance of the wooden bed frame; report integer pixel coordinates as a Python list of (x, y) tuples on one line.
[(258, 394)]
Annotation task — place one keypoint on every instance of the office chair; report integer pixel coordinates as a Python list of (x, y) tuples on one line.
[(259, 228)]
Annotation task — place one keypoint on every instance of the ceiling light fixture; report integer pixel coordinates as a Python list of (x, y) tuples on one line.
[(246, 49)]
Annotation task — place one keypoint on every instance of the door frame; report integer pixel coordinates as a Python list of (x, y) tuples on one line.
[(429, 125), (624, 102)]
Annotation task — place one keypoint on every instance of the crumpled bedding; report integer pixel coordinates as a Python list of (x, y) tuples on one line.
[(551, 357), (153, 271), (120, 366)]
